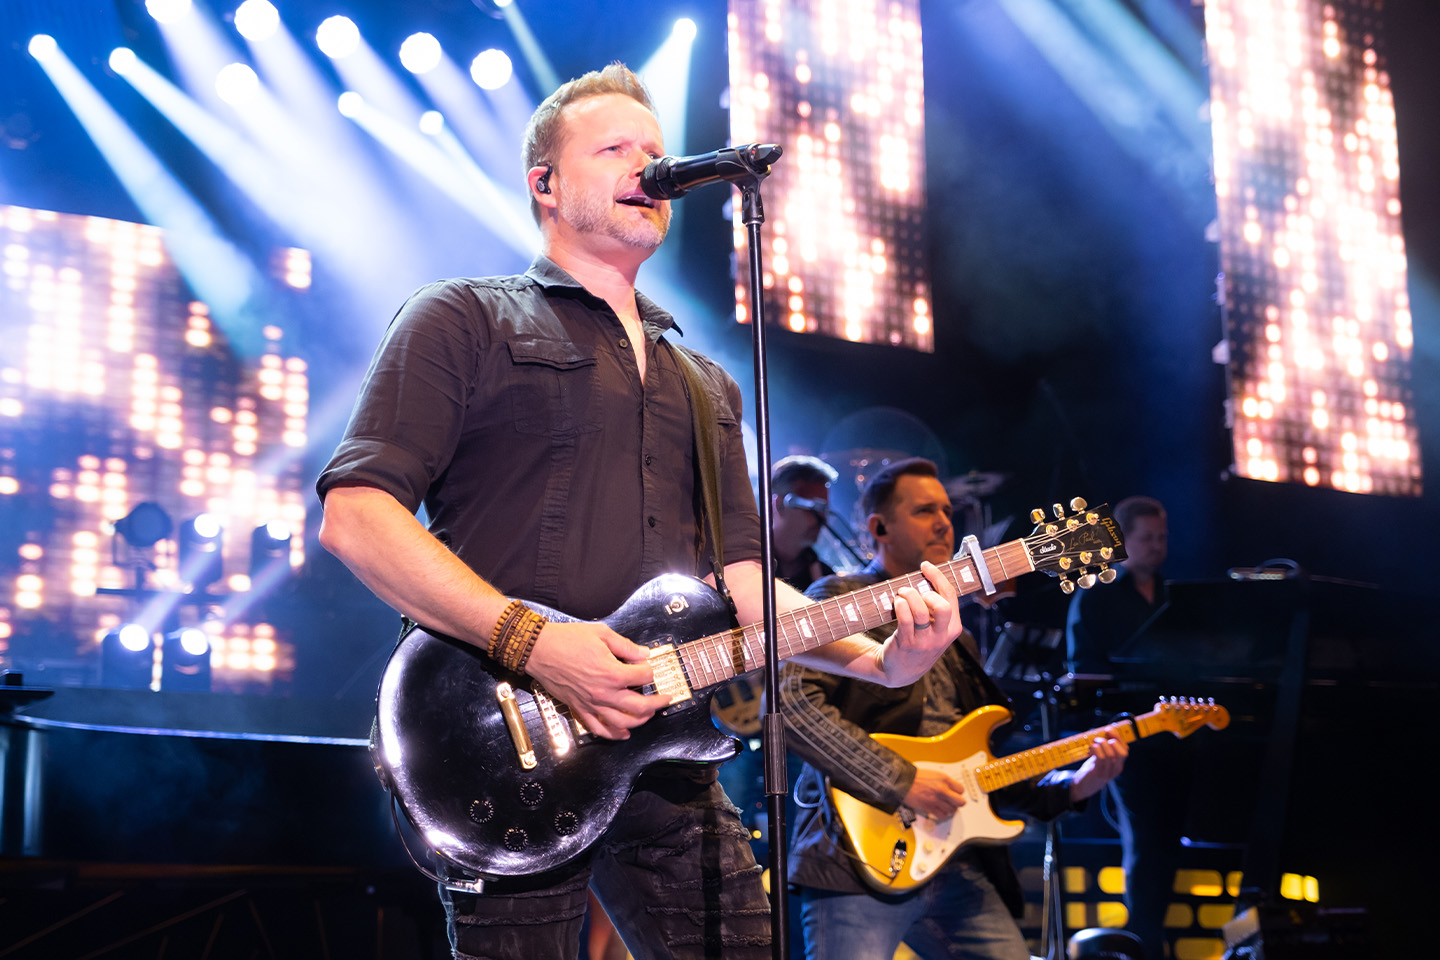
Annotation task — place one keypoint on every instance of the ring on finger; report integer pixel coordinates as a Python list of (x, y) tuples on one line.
[(924, 626)]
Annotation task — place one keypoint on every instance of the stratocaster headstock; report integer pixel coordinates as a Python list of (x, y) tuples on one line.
[(1078, 548), (1183, 716)]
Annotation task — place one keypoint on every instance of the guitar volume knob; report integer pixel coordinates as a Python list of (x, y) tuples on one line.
[(532, 793), (481, 810), (515, 839), (566, 823)]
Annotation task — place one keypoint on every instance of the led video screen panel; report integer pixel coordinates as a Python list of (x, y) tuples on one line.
[(117, 389), (839, 86), (1307, 179)]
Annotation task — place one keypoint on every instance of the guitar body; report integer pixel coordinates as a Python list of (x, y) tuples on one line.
[(894, 857), (446, 752), (899, 851)]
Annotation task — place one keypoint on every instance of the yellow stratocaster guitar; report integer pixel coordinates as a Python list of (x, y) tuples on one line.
[(899, 851)]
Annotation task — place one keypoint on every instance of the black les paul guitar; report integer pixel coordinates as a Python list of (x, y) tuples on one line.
[(500, 781)]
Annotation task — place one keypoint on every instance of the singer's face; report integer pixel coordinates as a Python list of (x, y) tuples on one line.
[(607, 142)]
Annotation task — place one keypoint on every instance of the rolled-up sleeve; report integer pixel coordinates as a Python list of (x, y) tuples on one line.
[(411, 410)]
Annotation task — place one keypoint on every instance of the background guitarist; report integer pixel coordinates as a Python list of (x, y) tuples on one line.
[(543, 421), (966, 910)]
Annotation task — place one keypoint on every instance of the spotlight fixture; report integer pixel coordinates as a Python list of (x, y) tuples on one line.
[(201, 559), (420, 53), (269, 553), (43, 46), (185, 661), (236, 84), (349, 103), (167, 11), (146, 525), (491, 69), (337, 37), (684, 29), (257, 20), (127, 658), (122, 60), (432, 122)]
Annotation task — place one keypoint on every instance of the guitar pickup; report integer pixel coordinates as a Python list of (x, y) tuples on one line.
[(555, 725), (670, 674), (519, 736)]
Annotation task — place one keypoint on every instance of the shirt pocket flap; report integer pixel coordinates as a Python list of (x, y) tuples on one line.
[(559, 354)]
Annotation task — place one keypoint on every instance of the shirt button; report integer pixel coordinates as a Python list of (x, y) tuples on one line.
[(649, 459), (624, 342), (652, 521)]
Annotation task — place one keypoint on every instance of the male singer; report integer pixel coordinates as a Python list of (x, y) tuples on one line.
[(545, 424)]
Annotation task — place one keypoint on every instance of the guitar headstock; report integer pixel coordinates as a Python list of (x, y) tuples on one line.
[(1183, 717), (1078, 548)]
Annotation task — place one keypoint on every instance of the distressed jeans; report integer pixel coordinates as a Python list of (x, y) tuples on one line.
[(674, 871), (956, 915)]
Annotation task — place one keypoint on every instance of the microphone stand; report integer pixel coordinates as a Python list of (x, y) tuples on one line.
[(772, 730)]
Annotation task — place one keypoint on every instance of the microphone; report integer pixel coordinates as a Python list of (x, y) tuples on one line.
[(670, 178), (822, 507)]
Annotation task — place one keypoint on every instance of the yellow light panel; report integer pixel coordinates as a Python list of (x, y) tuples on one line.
[(1317, 310), (839, 85)]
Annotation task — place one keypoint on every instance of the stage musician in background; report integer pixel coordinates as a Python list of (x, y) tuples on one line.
[(1152, 797), (800, 487), (543, 421), (967, 909)]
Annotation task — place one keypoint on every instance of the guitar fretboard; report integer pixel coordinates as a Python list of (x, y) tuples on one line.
[(718, 658), (1038, 761)]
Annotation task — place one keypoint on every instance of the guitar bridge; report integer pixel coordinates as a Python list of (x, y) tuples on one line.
[(510, 709)]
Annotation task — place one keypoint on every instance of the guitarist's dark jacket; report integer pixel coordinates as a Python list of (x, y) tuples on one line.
[(828, 719)]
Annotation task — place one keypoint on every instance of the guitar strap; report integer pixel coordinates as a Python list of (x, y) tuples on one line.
[(702, 413)]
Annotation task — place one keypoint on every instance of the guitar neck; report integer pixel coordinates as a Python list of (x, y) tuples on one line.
[(718, 658), (1040, 760)]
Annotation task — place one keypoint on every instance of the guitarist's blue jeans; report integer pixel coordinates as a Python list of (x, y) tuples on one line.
[(675, 873), (956, 916)]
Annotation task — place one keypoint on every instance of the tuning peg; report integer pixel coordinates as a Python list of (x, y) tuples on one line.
[(1063, 563), (1087, 580), (1037, 515), (1072, 524), (1107, 553), (1077, 504), (1107, 575), (1086, 556), (1092, 518), (1059, 510), (1066, 587)]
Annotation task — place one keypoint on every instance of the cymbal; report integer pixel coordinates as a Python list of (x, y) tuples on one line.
[(976, 483)]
